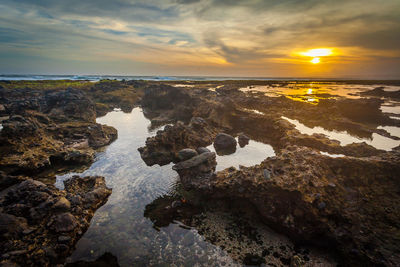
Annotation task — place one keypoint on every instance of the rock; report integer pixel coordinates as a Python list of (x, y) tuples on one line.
[(62, 204), (267, 174), (243, 140), (197, 168), (202, 150), (225, 144), (186, 154), (18, 126), (253, 260), (176, 204), (296, 261), (64, 222), (11, 226), (321, 205), (197, 123), (64, 239)]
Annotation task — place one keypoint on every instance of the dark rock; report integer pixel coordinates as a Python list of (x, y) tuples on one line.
[(197, 168), (267, 174), (105, 260), (11, 226), (186, 154), (62, 204), (201, 150), (243, 140), (225, 144), (321, 205), (253, 260), (64, 222)]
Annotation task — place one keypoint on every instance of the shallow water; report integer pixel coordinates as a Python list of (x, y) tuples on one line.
[(252, 154), (378, 141), (119, 226), (315, 91)]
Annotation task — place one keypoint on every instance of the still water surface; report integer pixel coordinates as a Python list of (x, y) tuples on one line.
[(119, 226)]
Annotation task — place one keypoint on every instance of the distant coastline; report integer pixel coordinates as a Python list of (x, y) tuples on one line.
[(34, 77)]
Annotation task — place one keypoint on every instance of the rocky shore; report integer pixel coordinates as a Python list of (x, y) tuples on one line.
[(46, 131), (346, 206), (349, 204)]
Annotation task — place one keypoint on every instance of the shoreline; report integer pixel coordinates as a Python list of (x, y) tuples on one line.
[(64, 115)]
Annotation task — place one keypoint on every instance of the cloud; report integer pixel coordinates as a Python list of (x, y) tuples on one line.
[(228, 36)]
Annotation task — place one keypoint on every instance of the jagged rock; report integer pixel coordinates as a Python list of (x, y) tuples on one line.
[(36, 213), (162, 148), (225, 144), (291, 202), (186, 154)]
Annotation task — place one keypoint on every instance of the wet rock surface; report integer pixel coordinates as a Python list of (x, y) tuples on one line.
[(47, 128), (166, 145), (312, 198), (348, 205), (225, 144), (40, 224)]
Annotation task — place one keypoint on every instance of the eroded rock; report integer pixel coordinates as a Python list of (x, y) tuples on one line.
[(43, 223)]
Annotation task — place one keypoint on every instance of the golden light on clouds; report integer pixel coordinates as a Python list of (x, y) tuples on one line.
[(317, 52)]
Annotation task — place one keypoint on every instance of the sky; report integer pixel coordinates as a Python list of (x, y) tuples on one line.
[(251, 38)]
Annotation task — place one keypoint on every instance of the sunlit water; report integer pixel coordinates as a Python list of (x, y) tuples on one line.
[(119, 227), (378, 141), (252, 154)]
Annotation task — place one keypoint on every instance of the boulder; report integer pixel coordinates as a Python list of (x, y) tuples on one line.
[(243, 140), (225, 144)]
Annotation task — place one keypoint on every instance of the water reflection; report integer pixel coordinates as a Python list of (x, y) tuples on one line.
[(119, 227), (252, 154), (378, 141), (313, 92)]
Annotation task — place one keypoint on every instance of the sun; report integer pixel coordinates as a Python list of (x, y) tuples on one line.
[(315, 60), (316, 54)]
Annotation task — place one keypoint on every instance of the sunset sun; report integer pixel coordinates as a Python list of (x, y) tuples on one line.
[(316, 54), (315, 60)]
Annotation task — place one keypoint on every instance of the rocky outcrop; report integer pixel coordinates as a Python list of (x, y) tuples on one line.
[(164, 147), (39, 224), (330, 202), (49, 128), (380, 92)]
